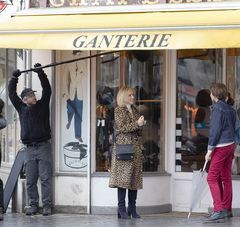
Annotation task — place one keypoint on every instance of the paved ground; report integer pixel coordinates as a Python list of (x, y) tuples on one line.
[(72, 220)]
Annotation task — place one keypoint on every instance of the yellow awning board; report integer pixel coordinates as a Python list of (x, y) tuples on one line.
[(156, 30), (125, 41), (124, 20)]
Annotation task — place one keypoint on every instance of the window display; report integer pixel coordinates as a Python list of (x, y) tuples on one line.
[(142, 70)]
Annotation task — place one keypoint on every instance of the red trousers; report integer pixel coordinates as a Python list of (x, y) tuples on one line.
[(220, 177)]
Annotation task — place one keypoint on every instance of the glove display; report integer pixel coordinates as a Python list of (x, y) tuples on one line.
[(36, 70), (16, 73)]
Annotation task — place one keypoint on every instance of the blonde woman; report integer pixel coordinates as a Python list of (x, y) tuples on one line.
[(127, 174)]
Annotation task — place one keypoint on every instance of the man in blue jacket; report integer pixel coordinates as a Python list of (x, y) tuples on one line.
[(35, 135), (220, 153)]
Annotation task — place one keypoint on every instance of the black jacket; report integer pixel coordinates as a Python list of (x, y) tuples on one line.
[(34, 120), (3, 124)]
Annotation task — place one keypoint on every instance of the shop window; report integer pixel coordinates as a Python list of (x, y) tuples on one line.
[(233, 85), (196, 71), (8, 135), (107, 85), (142, 70)]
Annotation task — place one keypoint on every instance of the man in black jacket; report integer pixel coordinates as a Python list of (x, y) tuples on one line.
[(3, 124), (35, 135)]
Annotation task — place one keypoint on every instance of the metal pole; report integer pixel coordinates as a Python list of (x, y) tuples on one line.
[(68, 61)]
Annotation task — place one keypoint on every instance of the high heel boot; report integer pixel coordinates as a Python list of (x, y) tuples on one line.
[(132, 197), (121, 204)]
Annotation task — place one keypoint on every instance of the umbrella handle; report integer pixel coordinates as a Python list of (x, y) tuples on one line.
[(205, 164)]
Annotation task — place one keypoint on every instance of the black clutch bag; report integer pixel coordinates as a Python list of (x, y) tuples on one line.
[(124, 151)]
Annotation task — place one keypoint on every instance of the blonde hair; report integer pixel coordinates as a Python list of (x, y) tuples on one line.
[(122, 95)]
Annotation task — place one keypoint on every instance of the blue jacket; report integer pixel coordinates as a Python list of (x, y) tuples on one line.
[(222, 124)]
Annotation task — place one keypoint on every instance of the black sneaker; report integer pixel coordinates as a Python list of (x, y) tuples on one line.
[(216, 217), (31, 210), (47, 211), (1, 213), (208, 214), (227, 213)]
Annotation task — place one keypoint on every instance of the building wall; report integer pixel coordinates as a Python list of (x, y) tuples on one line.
[(153, 198), (159, 192), (70, 191)]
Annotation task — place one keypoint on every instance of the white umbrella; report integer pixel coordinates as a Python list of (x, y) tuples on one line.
[(199, 183)]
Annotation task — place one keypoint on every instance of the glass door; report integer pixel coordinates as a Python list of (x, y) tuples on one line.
[(196, 71)]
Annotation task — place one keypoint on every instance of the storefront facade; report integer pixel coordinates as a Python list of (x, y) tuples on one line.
[(168, 61)]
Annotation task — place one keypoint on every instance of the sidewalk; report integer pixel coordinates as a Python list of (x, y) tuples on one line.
[(69, 220)]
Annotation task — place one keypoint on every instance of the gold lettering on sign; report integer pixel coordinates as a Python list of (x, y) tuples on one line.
[(175, 1), (58, 3), (149, 2), (193, 1), (83, 3), (77, 3), (73, 3), (95, 3), (110, 2), (122, 2)]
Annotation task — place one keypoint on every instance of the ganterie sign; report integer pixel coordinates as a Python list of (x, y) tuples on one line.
[(120, 41)]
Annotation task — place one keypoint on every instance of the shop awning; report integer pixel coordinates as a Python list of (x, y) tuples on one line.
[(117, 31)]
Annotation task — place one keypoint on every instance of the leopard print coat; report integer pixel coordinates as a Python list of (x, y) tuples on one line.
[(128, 173)]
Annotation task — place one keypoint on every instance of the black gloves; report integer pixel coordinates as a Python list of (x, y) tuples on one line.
[(16, 73), (36, 68)]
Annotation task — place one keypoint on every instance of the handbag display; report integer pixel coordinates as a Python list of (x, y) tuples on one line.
[(124, 151)]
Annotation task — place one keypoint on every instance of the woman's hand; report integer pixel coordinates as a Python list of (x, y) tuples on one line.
[(141, 121)]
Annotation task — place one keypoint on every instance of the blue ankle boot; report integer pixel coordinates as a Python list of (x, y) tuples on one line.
[(132, 197), (121, 204)]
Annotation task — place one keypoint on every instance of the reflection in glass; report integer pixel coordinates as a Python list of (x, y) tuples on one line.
[(196, 71), (144, 72), (107, 83), (233, 85)]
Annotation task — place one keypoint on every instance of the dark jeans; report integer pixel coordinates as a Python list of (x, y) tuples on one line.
[(1, 194), (38, 164)]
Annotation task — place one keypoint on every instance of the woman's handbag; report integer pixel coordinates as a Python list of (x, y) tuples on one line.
[(124, 151)]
